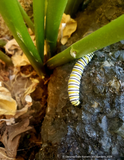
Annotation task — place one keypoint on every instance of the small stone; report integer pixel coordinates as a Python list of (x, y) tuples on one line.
[(120, 131), (121, 57), (116, 54), (28, 98), (104, 124)]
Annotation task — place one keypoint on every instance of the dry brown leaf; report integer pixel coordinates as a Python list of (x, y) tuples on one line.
[(28, 75), (11, 136), (67, 27), (20, 59), (9, 121), (8, 105), (11, 47), (32, 87), (4, 72), (30, 31), (3, 155), (23, 110), (18, 87), (33, 39)]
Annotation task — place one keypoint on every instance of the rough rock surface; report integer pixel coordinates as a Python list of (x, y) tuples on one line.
[(96, 127)]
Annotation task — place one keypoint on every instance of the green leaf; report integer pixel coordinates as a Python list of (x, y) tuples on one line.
[(55, 10), (26, 17), (3, 42), (108, 34), (39, 9), (14, 21), (6, 59), (72, 6)]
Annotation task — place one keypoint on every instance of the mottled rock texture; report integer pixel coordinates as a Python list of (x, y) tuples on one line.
[(96, 127)]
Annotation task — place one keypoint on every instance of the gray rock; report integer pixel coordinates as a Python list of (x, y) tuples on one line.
[(121, 57)]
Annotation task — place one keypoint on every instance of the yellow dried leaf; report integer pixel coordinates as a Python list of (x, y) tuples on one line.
[(32, 87), (30, 31), (64, 40), (11, 47), (8, 105), (67, 27), (19, 59), (33, 39)]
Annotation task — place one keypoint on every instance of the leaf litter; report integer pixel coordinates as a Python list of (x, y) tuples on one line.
[(16, 103), (19, 85)]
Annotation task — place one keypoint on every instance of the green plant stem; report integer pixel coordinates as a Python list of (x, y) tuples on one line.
[(46, 2), (6, 59), (39, 9), (26, 17), (16, 25), (55, 9), (72, 7), (14, 16), (108, 34), (2, 42)]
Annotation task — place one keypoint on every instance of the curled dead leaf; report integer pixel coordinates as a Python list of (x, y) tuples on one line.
[(8, 105), (25, 109), (3, 155), (18, 57), (32, 87), (67, 27), (11, 47), (9, 121), (11, 137)]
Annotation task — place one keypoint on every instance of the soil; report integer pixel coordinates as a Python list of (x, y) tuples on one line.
[(95, 128)]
